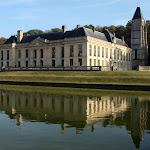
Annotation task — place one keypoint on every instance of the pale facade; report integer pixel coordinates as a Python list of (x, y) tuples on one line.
[(80, 47)]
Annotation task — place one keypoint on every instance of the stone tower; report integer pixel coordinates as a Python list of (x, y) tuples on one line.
[(139, 40)]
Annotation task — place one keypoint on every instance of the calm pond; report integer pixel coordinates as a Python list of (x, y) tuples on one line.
[(40, 121)]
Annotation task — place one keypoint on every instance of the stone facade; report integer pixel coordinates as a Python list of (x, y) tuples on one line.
[(72, 50)]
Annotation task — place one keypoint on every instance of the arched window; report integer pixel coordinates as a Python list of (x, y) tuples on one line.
[(41, 53)]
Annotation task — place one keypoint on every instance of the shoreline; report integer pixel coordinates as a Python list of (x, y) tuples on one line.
[(83, 86)]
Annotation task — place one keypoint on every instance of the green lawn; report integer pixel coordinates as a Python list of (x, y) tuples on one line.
[(92, 77)]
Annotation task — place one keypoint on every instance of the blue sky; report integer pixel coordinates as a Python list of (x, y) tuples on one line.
[(46, 14)]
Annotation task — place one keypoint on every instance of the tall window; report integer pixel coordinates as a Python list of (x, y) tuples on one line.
[(98, 51), (114, 54), (62, 51), (94, 50), (94, 62), (129, 57), (124, 56), (53, 63), (71, 62), (19, 54), (41, 62), (34, 63), (80, 62), (135, 53), (7, 54), (111, 53), (98, 62), (35, 54), (19, 64), (90, 62), (26, 64), (90, 50), (71, 50), (121, 55), (2, 55), (42, 53), (103, 52), (62, 63), (27, 55), (118, 55), (53, 52), (80, 50), (7, 63), (106, 52)]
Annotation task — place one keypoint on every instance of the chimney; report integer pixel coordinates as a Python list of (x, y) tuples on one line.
[(78, 26), (19, 35), (93, 28), (64, 28)]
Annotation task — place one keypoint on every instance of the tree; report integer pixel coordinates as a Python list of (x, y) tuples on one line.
[(53, 30), (34, 31), (3, 40)]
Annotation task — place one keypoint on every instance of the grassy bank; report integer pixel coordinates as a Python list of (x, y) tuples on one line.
[(94, 77), (73, 91)]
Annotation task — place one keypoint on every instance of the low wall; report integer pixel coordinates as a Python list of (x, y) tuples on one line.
[(144, 68)]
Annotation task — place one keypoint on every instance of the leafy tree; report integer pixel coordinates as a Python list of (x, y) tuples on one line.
[(53, 30), (2, 40), (34, 31)]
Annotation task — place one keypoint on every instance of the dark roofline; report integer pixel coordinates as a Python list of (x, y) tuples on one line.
[(138, 14)]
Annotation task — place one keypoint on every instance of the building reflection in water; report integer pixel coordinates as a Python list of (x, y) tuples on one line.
[(79, 112)]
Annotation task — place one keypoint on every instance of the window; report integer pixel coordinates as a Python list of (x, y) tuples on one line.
[(98, 51), (121, 55), (124, 56), (1, 64), (106, 52), (41, 63), (102, 62), (27, 55), (71, 62), (53, 52), (62, 62), (129, 57), (35, 54), (34, 63), (53, 63), (19, 64), (80, 50), (42, 53), (62, 52), (80, 62), (2, 55), (7, 63), (94, 62), (118, 55), (71, 50), (98, 62), (114, 54), (7, 54), (26, 64), (94, 50), (19, 54), (90, 62), (110, 53), (103, 52), (135, 53), (90, 50)]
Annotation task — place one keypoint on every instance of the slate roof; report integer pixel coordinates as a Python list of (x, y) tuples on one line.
[(80, 32), (138, 14)]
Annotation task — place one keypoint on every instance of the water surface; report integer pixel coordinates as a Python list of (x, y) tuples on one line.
[(68, 122)]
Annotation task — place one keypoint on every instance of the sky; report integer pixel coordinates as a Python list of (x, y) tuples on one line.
[(47, 14)]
